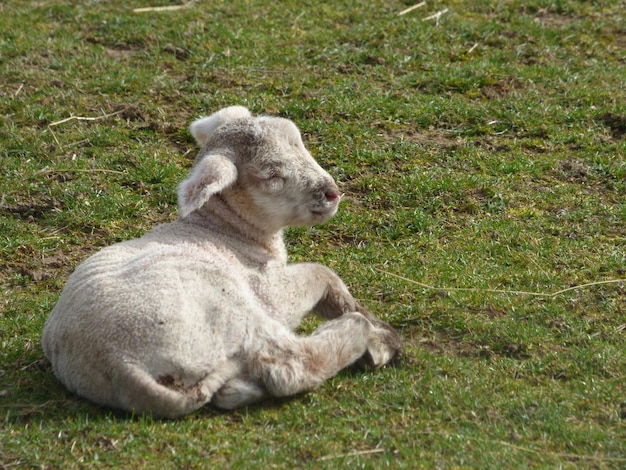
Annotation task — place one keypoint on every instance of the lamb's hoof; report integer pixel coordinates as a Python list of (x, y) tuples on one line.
[(237, 393), (385, 346)]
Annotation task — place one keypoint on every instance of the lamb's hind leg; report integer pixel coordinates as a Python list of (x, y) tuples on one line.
[(288, 364)]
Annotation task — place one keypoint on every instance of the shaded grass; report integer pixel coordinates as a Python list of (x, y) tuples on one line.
[(486, 152)]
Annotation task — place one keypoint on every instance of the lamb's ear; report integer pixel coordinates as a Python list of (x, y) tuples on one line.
[(209, 176), (203, 128)]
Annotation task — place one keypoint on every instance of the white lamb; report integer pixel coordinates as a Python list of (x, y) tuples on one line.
[(202, 310)]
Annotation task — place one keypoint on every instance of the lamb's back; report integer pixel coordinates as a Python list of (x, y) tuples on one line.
[(158, 300)]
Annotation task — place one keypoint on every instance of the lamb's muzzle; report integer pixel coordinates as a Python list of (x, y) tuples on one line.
[(332, 194), (202, 310)]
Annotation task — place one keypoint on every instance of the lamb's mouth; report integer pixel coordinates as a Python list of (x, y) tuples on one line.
[(329, 211), (325, 209)]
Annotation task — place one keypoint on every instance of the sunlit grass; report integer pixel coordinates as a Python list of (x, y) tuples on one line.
[(482, 156)]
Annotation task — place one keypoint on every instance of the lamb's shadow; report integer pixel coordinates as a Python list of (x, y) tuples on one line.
[(32, 393)]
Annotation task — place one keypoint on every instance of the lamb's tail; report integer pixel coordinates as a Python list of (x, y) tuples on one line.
[(166, 396)]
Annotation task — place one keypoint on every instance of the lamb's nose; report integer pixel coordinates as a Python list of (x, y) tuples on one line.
[(331, 195)]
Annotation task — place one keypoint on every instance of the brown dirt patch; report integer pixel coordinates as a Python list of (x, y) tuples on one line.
[(463, 348), (573, 170), (426, 138), (31, 208), (502, 88), (551, 19), (616, 124)]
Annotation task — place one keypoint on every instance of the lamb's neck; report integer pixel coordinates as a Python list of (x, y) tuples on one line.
[(220, 217)]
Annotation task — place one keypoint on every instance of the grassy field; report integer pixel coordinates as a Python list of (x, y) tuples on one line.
[(481, 146)]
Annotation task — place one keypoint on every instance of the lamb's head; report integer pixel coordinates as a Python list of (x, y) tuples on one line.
[(260, 166)]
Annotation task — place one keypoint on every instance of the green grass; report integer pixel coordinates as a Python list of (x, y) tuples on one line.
[(484, 151)]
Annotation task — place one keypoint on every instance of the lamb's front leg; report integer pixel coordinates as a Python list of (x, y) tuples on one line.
[(329, 298), (384, 344), (313, 287)]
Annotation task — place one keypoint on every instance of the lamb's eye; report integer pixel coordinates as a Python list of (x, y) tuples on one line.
[(275, 182), (272, 179)]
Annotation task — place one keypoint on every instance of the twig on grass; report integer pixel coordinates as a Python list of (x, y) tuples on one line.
[(563, 455), (436, 16), (54, 136), (26, 409), (76, 170), (166, 8), (410, 9), (83, 118), (501, 291), (354, 453), (28, 405), (78, 118), (530, 450)]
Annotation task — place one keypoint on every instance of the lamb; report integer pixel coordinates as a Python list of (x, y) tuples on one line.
[(203, 310)]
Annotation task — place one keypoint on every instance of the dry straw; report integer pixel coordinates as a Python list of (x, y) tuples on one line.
[(502, 291), (166, 8)]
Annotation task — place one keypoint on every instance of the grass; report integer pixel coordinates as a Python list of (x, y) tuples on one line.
[(485, 150)]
